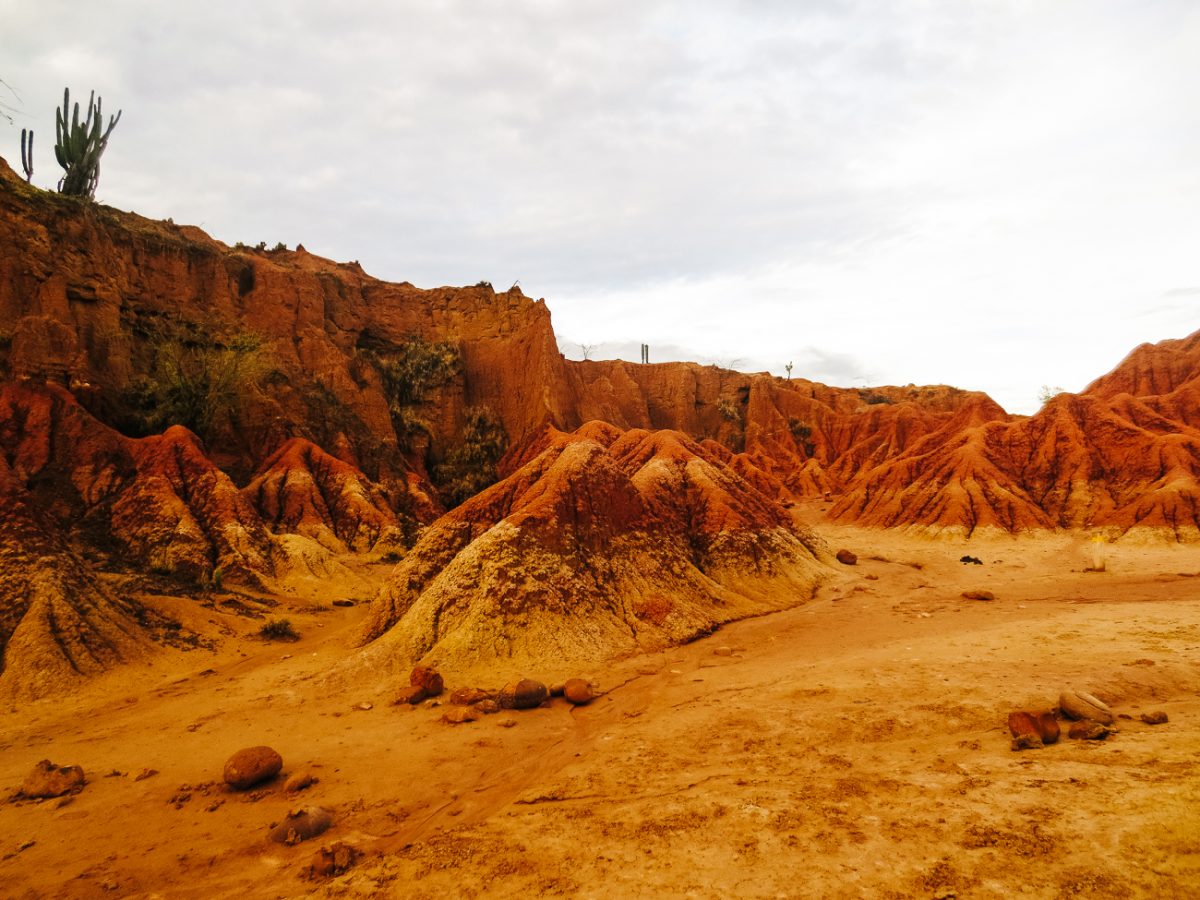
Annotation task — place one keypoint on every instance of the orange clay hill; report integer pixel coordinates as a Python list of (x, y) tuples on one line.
[(603, 543)]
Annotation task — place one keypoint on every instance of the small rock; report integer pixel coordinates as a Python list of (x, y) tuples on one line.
[(524, 694), (298, 781), (1087, 730), (1154, 718), (578, 691), (410, 695), (556, 689), (364, 706), (427, 679), (487, 707), (49, 780), (979, 595), (335, 859), (1047, 727), (1024, 729), (460, 715), (343, 603), (144, 774), (971, 559), (847, 558), (468, 695), (252, 766), (302, 825), (506, 722), (723, 651), (1077, 704)]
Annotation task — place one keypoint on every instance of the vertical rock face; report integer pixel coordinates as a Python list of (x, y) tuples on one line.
[(603, 542)]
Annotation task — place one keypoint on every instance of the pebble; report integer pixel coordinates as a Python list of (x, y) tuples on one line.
[(579, 691), (302, 825), (1157, 717)]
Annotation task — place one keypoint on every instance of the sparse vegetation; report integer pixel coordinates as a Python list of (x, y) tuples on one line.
[(409, 371), (202, 380), (80, 145), (278, 630), (729, 409), (802, 432), (1047, 393), (873, 399), (471, 467)]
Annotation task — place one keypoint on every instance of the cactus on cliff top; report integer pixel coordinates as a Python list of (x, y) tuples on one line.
[(27, 154), (80, 145)]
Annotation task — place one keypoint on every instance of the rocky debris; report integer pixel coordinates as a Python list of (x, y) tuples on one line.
[(252, 766), (411, 695), (427, 679), (299, 781), (847, 558), (972, 560), (144, 774), (1076, 704), (1025, 732), (47, 780), (468, 695), (979, 595), (332, 860), (460, 715), (579, 691), (524, 694), (723, 651), (1158, 717), (1047, 726), (1088, 730), (487, 707), (343, 603), (302, 825)]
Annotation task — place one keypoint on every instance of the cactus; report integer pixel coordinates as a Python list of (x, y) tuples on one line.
[(80, 146), (27, 155)]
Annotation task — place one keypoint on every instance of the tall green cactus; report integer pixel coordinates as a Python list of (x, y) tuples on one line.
[(27, 155), (80, 146)]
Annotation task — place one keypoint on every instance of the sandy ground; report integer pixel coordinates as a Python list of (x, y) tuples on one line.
[(854, 746)]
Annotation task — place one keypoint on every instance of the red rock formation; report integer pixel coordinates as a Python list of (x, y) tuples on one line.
[(57, 623), (301, 489), (556, 562), (1102, 459), (158, 503)]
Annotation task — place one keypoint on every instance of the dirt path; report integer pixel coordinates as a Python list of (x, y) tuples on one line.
[(851, 747)]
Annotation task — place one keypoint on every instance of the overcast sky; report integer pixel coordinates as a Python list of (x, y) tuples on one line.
[(996, 194)]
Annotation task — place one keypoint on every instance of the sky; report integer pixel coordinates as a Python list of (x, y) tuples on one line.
[(997, 194)]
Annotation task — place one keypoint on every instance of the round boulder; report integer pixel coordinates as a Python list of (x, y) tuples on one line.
[(847, 558), (252, 766), (427, 679), (302, 824), (524, 694), (578, 691), (1077, 704)]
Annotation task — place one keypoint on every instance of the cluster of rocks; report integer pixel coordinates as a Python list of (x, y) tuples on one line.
[(1090, 717), (471, 703)]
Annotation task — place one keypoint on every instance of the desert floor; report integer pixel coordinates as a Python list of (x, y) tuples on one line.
[(853, 746)]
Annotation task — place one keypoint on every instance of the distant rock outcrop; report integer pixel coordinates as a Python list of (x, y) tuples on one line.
[(603, 542)]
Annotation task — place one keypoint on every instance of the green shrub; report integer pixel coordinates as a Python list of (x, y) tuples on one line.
[(409, 370), (471, 467), (197, 379), (278, 630)]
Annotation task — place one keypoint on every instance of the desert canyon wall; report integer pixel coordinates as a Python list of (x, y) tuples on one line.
[(665, 485)]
